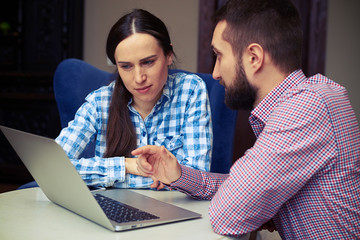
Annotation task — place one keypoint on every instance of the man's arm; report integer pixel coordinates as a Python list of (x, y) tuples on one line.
[(290, 151), (159, 163), (198, 184)]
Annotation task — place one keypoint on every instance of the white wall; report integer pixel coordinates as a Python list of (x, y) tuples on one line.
[(343, 47), (180, 17)]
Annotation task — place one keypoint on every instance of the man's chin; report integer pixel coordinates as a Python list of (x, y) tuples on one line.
[(238, 101), (239, 107)]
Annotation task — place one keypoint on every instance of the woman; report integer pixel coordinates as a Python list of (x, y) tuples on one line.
[(143, 106)]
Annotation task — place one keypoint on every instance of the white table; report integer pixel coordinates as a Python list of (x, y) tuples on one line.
[(28, 214)]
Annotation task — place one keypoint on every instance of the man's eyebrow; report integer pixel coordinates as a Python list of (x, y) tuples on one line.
[(215, 49), (141, 60)]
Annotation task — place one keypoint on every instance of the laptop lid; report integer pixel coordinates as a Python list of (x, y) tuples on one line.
[(57, 177)]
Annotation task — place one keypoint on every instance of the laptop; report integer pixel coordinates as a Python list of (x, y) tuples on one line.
[(57, 177)]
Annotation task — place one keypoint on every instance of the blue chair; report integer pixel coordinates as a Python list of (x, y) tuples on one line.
[(74, 79)]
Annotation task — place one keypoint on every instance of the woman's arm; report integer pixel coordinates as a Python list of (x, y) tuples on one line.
[(89, 125)]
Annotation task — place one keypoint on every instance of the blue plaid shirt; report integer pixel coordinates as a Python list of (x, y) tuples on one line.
[(180, 120)]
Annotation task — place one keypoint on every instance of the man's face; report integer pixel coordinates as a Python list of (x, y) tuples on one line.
[(229, 70)]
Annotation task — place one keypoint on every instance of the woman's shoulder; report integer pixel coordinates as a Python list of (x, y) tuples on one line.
[(101, 92), (187, 79)]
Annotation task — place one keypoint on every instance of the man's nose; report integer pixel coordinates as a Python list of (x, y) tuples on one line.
[(216, 73)]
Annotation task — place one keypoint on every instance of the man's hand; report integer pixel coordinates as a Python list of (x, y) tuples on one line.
[(132, 168), (157, 162)]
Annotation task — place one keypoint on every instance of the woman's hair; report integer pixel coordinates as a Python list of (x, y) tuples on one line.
[(120, 133), (274, 24)]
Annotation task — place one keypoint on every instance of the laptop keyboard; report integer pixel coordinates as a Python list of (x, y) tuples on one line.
[(120, 212)]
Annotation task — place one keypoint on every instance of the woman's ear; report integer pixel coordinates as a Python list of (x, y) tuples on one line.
[(169, 59)]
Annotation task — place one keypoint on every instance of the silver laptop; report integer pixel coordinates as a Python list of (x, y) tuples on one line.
[(57, 177)]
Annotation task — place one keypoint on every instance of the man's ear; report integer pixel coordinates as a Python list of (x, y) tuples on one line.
[(254, 56)]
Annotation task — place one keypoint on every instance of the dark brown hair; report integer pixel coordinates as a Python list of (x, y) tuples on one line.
[(274, 24), (120, 132)]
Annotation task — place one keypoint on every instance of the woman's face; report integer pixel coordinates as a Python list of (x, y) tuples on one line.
[(143, 67)]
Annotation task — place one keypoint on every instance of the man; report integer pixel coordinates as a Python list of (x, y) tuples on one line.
[(303, 172)]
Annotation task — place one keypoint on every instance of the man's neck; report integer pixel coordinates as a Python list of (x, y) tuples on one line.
[(269, 78)]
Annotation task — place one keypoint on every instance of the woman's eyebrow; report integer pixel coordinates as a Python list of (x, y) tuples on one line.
[(141, 60), (147, 58)]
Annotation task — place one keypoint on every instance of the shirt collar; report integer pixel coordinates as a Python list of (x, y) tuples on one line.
[(263, 110)]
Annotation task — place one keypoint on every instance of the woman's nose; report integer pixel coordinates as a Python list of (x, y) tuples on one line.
[(140, 75)]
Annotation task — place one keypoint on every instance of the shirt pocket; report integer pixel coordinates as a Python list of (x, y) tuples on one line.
[(171, 143)]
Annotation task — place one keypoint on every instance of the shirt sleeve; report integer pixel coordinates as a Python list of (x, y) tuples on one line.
[(75, 138), (198, 184), (295, 144), (197, 128)]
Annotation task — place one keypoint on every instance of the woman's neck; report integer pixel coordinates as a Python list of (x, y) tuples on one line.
[(143, 109)]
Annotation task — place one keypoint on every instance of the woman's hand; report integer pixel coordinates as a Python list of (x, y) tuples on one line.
[(157, 184), (131, 166)]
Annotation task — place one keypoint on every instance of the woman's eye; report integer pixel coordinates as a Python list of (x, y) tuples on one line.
[(125, 66), (148, 62)]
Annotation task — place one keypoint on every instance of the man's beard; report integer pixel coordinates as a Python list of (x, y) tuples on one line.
[(241, 94)]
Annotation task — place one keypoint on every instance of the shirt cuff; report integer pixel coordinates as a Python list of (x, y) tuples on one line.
[(116, 170), (189, 180)]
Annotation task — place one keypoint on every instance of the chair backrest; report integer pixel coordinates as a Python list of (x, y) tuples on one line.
[(224, 124), (75, 78)]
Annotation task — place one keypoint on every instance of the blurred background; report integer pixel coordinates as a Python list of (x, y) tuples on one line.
[(36, 35)]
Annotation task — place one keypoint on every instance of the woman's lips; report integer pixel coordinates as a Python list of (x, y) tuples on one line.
[(143, 90)]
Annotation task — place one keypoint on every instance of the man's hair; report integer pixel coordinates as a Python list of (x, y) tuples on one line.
[(274, 24)]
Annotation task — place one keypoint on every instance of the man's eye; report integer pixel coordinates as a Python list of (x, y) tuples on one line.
[(217, 55)]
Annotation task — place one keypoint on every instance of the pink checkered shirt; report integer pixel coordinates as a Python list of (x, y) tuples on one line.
[(303, 171)]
